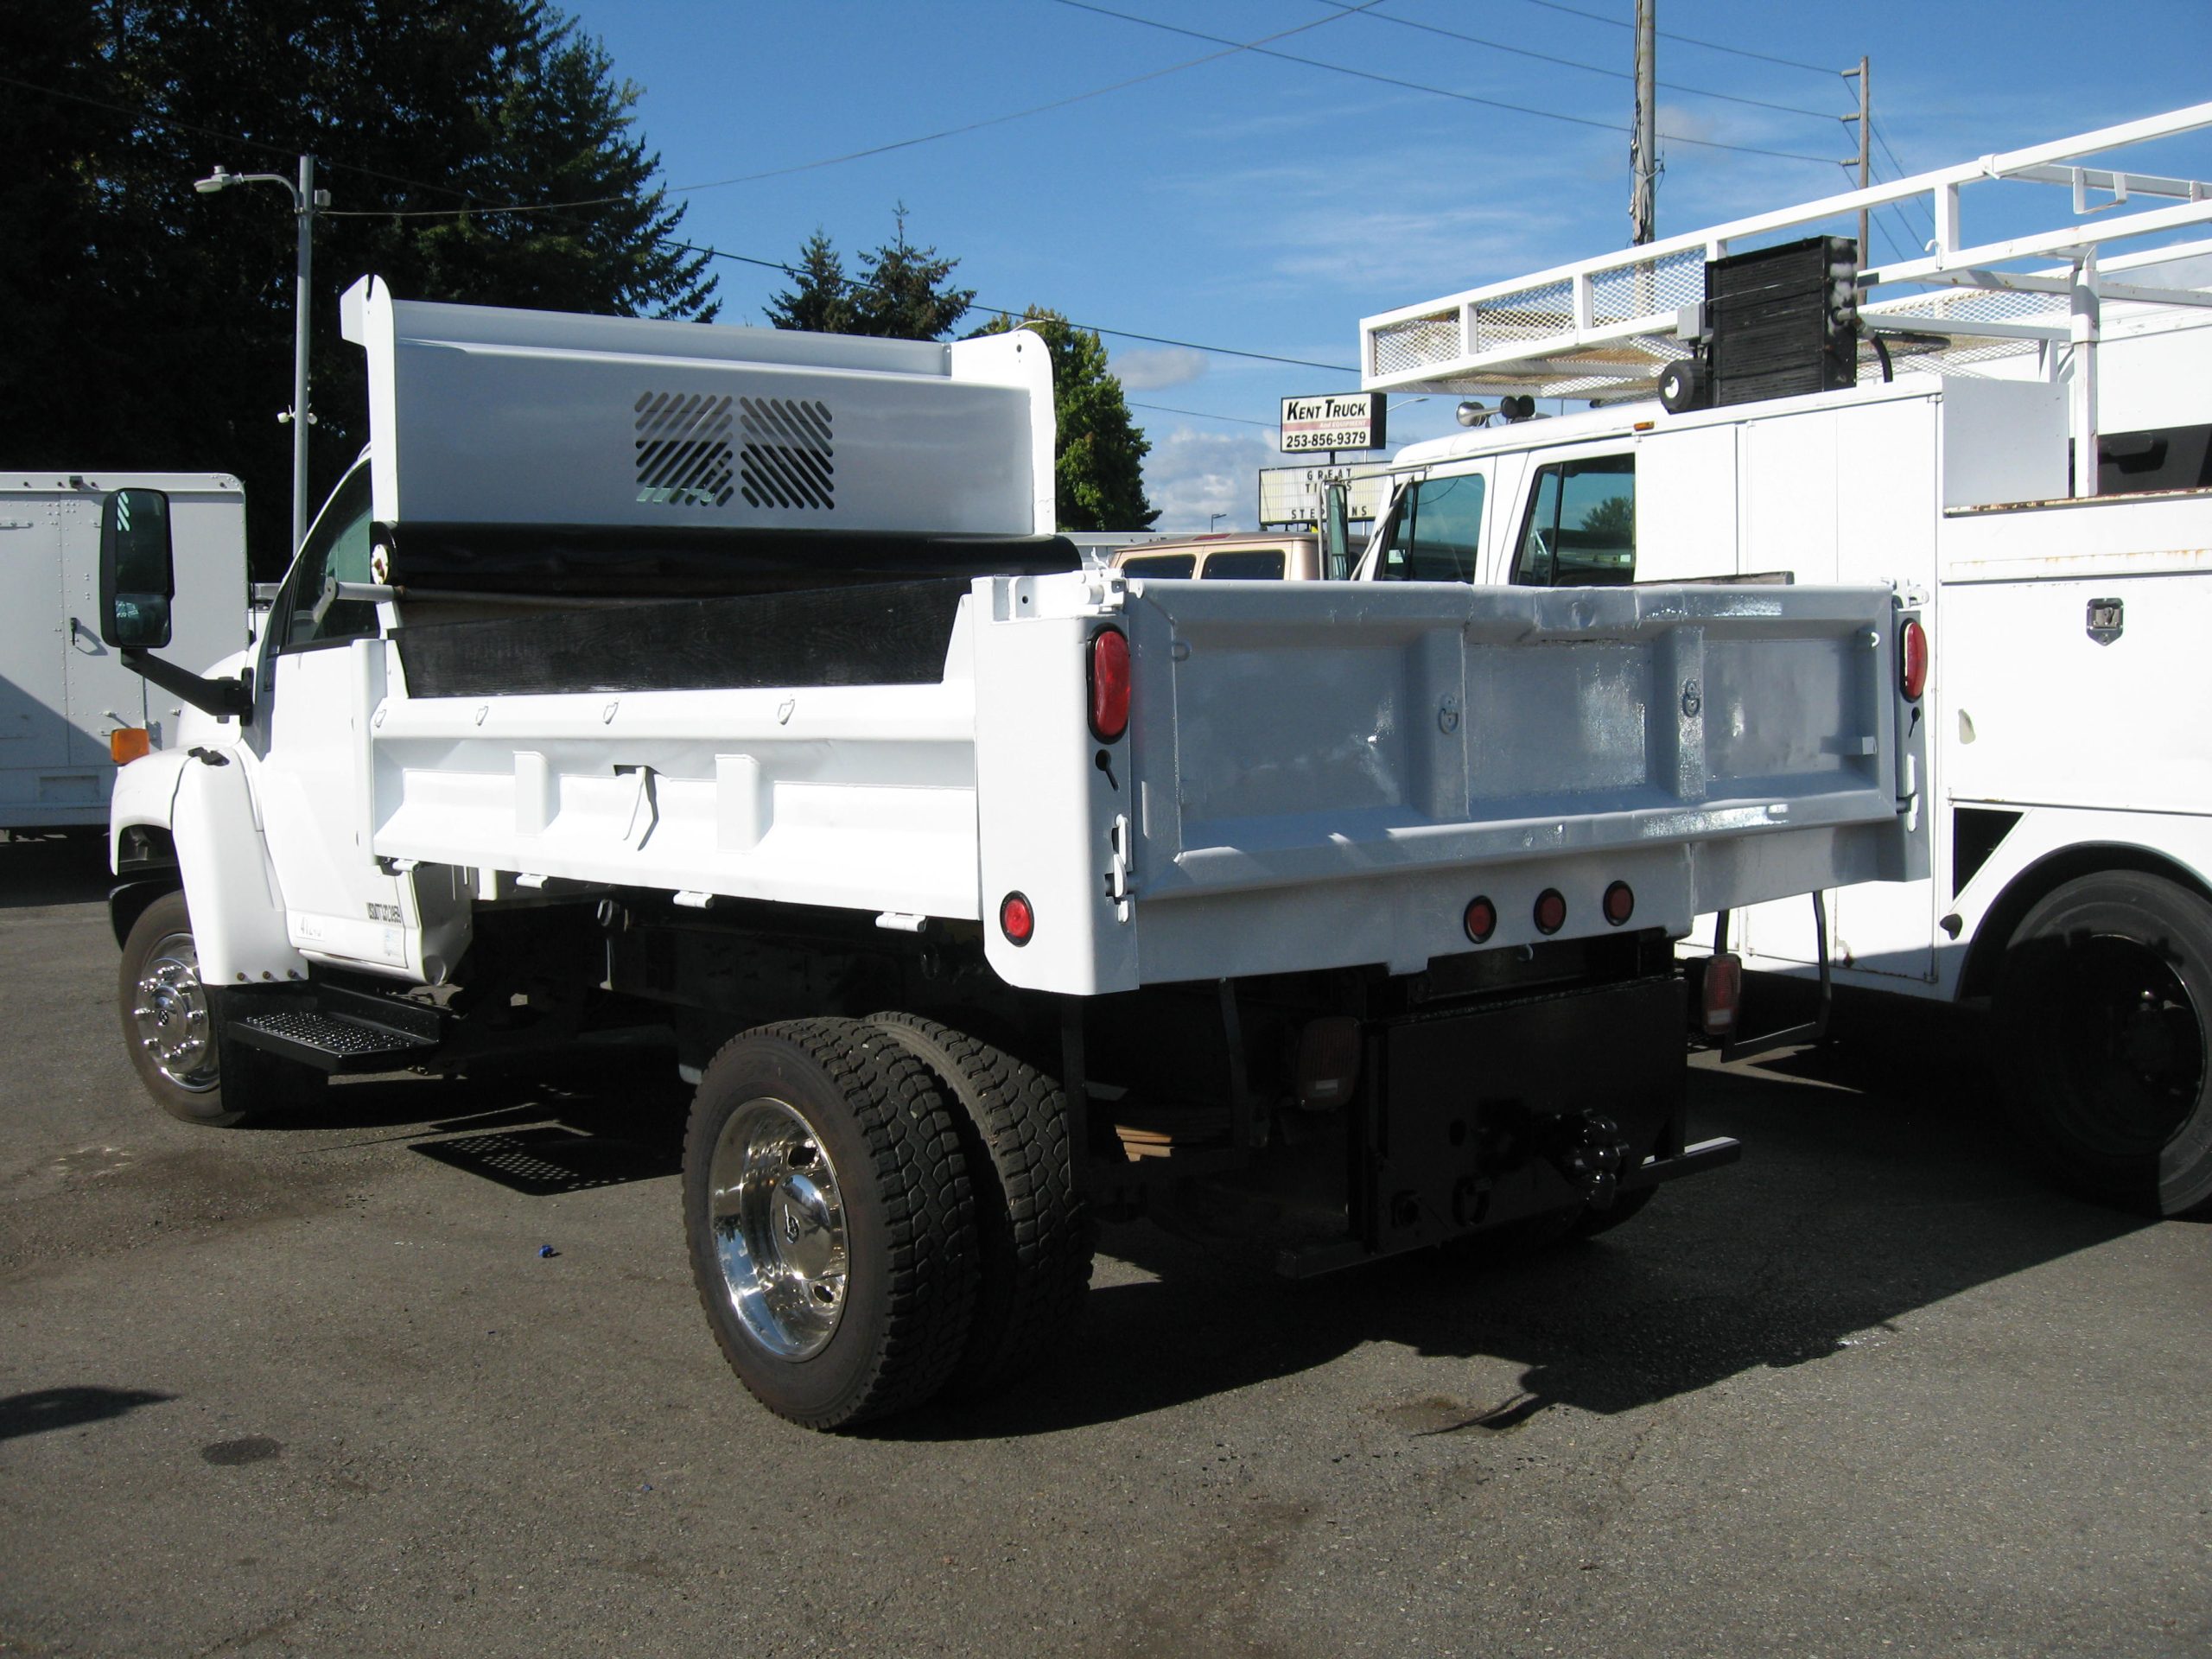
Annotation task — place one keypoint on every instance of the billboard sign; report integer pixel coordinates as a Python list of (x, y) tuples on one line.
[(1292, 495), (1339, 420)]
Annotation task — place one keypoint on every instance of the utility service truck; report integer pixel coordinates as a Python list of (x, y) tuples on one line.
[(2025, 446), (70, 712), (730, 684)]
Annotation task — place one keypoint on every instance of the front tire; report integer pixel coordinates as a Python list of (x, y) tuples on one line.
[(172, 1028), (2102, 1009), (831, 1230)]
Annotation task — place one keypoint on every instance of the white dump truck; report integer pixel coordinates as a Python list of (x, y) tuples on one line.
[(2025, 444), (70, 712), (731, 684)]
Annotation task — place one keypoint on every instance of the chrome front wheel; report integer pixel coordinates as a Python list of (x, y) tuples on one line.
[(171, 1017)]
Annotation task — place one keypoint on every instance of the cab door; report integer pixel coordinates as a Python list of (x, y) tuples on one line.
[(323, 674)]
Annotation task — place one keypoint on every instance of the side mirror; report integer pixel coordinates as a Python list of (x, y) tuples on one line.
[(1336, 533), (137, 569)]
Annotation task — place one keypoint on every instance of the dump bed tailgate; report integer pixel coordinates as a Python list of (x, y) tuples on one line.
[(1321, 775)]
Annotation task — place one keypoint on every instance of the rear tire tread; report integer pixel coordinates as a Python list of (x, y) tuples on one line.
[(1036, 1234), (920, 1173)]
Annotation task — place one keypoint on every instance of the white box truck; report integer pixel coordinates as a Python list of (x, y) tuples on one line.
[(2027, 446), (730, 683), (69, 709)]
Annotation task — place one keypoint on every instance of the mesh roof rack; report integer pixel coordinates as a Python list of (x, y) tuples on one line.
[(1607, 328)]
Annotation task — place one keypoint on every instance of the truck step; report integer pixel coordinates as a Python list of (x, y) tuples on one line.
[(331, 1042)]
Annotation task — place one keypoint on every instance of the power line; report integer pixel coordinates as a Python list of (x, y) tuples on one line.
[(1687, 40), (1577, 63), (1003, 311), (1881, 139), (1441, 91), (1200, 414), (1232, 48)]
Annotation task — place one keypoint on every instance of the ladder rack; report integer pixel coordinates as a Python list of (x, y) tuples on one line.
[(1607, 328)]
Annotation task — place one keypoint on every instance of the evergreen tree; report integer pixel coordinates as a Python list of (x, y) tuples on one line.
[(821, 302), (431, 120), (901, 294), (1097, 451)]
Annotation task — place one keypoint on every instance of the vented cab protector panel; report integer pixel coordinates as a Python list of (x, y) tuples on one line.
[(486, 416)]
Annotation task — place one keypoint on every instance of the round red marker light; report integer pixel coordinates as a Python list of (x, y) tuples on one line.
[(1551, 911), (1016, 920), (1620, 903), (1481, 919)]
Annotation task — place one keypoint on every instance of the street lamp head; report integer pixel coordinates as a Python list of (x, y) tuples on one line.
[(209, 185)]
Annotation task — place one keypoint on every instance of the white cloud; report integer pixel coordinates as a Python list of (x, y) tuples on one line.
[(1190, 476), (1145, 370)]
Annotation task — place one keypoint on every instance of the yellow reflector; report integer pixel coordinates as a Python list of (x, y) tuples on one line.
[(127, 743)]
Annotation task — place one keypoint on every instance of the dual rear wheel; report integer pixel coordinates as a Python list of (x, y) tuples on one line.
[(878, 1210)]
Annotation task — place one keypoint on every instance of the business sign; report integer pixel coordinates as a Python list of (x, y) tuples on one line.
[(1342, 420), (1292, 495)]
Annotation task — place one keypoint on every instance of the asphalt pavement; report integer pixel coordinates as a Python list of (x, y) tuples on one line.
[(320, 1389)]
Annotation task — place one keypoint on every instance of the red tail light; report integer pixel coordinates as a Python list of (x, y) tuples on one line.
[(1912, 660), (1724, 991), (1551, 911), (1110, 685), (1016, 920), (1620, 903), (1481, 919)]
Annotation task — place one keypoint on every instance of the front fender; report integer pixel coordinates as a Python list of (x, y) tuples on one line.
[(238, 911), (145, 794)]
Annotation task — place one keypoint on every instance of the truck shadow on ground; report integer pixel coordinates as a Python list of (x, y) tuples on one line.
[(1849, 1212), (37, 870), (611, 1119)]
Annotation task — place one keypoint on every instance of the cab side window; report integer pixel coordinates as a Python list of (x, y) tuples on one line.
[(1168, 567), (338, 546), (1436, 534), (1581, 529)]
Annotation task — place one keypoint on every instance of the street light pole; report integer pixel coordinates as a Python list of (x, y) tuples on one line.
[(306, 199)]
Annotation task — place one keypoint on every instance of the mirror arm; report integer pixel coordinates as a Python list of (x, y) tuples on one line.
[(226, 699)]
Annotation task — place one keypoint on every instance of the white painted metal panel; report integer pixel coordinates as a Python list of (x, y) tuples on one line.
[(2003, 441), (515, 417), (1686, 503), (61, 690), (1788, 494), (2043, 714)]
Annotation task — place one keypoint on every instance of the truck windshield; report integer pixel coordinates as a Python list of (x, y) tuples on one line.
[(1437, 534)]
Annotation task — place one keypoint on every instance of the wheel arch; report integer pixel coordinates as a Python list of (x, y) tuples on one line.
[(1985, 957)]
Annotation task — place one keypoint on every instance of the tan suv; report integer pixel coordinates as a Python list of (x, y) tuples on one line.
[(1292, 556)]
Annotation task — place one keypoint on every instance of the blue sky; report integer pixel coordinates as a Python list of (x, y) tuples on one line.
[(1265, 204)]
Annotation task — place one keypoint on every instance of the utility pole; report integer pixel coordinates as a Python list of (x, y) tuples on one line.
[(1644, 132), (307, 202), (1865, 120)]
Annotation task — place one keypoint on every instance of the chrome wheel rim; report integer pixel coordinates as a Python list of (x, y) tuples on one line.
[(171, 1016), (778, 1221)]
